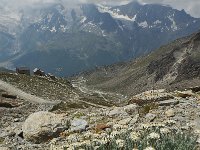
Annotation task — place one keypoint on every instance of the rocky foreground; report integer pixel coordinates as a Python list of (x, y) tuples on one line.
[(152, 120)]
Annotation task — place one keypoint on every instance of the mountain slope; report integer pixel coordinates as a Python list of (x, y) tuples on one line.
[(173, 66)]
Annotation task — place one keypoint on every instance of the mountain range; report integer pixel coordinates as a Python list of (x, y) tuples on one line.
[(65, 41)]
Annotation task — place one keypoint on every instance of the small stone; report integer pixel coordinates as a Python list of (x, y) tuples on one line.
[(102, 127), (134, 119), (198, 140), (79, 125), (125, 121), (170, 113), (16, 120), (150, 117), (196, 123), (186, 128), (118, 111), (131, 109)]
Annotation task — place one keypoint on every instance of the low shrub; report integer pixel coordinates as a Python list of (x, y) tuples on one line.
[(148, 139)]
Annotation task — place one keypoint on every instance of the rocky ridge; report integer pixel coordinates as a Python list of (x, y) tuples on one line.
[(172, 66)]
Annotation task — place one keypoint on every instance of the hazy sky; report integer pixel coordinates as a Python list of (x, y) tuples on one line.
[(191, 6)]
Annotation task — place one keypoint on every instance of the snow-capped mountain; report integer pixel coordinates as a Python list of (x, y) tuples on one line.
[(59, 38), (151, 16)]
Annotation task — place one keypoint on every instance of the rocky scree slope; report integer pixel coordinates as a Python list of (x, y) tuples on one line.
[(172, 66), (170, 118)]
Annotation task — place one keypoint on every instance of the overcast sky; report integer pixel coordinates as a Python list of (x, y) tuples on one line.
[(190, 6)]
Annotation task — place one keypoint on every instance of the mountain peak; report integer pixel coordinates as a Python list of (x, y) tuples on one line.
[(134, 3)]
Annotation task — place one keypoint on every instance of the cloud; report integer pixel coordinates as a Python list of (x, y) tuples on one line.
[(191, 6)]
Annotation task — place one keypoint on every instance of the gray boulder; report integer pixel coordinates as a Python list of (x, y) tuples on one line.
[(42, 126), (78, 124)]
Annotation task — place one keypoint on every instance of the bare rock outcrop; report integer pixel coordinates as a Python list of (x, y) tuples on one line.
[(42, 126)]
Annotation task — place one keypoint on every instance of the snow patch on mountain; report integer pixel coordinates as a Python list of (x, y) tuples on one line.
[(53, 29), (93, 28), (143, 24), (103, 33), (115, 13), (134, 18), (83, 19), (63, 28), (173, 26), (157, 22), (49, 17)]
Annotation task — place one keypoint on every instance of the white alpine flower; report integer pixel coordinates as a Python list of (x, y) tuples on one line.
[(164, 131), (120, 143), (134, 136), (154, 135), (149, 148)]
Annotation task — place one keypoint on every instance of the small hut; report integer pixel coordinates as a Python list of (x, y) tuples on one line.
[(23, 70), (38, 72)]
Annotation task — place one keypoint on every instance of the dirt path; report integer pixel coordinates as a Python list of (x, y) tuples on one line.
[(80, 84), (28, 97)]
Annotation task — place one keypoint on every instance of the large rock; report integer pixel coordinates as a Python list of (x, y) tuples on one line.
[(42, 126), (78, 124)]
